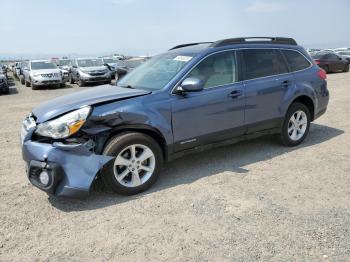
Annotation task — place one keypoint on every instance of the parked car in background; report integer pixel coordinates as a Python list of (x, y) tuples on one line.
[(191, 98), (4, 88), (89, 70), (342, 49), (3, 70), (126, 66), (345, 54), (64, 64), (17, 69), (42, 73), (24, 64), (331, 62), (112, 64)]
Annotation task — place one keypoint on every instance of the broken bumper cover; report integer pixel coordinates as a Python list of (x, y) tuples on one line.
[(71, 168)]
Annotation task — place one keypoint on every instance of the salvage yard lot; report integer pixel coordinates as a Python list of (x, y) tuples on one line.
[(255, 200)]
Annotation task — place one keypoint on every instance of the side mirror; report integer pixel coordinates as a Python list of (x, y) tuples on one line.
[(191, 84)]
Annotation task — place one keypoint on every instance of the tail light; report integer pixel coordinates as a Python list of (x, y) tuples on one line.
[(322, 74), (317, 62)]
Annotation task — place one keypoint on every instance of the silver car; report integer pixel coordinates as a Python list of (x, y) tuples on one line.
[(42, 73), (89, 70), (65, 66)]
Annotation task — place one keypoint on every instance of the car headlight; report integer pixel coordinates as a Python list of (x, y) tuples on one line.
[(36, 74), (65, 125)]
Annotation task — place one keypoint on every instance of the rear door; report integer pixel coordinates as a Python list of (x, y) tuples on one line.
[(266, 81)]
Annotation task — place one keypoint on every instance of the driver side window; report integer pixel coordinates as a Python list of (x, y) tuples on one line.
[(216, 70)]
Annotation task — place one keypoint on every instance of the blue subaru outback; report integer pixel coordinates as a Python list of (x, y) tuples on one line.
[(193, 97)]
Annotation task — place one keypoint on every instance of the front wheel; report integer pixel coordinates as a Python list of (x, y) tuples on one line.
[(136, 166), (81, 83), (296, 125), (346, 68), (71, 79)]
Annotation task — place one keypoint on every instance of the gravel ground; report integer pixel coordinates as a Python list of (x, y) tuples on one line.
[(251, 201)]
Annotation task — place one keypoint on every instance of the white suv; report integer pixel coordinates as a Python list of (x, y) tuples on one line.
[(42, 73)]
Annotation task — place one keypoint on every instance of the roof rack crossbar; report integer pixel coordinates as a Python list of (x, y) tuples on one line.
[(255, 40), (190, 44)]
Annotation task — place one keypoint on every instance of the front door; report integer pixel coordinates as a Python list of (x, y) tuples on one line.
[(217, 112)]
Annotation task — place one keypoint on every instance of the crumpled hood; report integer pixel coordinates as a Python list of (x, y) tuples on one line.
[(91, 96)]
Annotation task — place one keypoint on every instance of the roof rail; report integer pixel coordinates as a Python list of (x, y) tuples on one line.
[(190, 44), (255, 40)]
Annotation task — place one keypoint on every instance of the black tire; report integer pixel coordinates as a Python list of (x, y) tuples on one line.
[(63, 85), (286, 140), (34, 87), (346, 68), (116, 145), (22, 80), (81, 83), (27, 83), (71, 79)]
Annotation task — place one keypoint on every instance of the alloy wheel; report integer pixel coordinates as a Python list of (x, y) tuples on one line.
[(134, 165), (297, 125)]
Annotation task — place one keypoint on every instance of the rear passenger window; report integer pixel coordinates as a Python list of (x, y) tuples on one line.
[(263, 62), (296, 60)]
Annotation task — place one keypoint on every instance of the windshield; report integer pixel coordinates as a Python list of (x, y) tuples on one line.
[(110, 60), (90, 62), (63, 62), (43, 65), (155, 73)]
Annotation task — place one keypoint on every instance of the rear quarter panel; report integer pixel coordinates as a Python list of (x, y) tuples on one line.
[(308, 83)]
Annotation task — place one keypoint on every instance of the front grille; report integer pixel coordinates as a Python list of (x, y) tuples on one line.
[(50, 75), (97, 73)]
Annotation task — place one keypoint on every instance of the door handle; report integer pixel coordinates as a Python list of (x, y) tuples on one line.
[(286, 83), (235, 93)]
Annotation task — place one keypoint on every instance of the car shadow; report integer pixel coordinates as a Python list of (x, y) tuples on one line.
[(53, 87), (233, 158)]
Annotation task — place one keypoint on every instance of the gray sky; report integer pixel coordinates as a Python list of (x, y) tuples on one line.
[(37, 27)]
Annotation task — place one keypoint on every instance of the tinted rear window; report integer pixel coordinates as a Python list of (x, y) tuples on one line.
[(263, 62), (296, 60)]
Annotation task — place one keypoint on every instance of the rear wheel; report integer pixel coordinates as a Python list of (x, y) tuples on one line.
[(136, 166), (296, 125)]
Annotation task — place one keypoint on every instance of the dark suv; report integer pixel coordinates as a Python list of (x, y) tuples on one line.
[(193, 97)]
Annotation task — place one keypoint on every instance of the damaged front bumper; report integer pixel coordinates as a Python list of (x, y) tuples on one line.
[(70, 168)]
